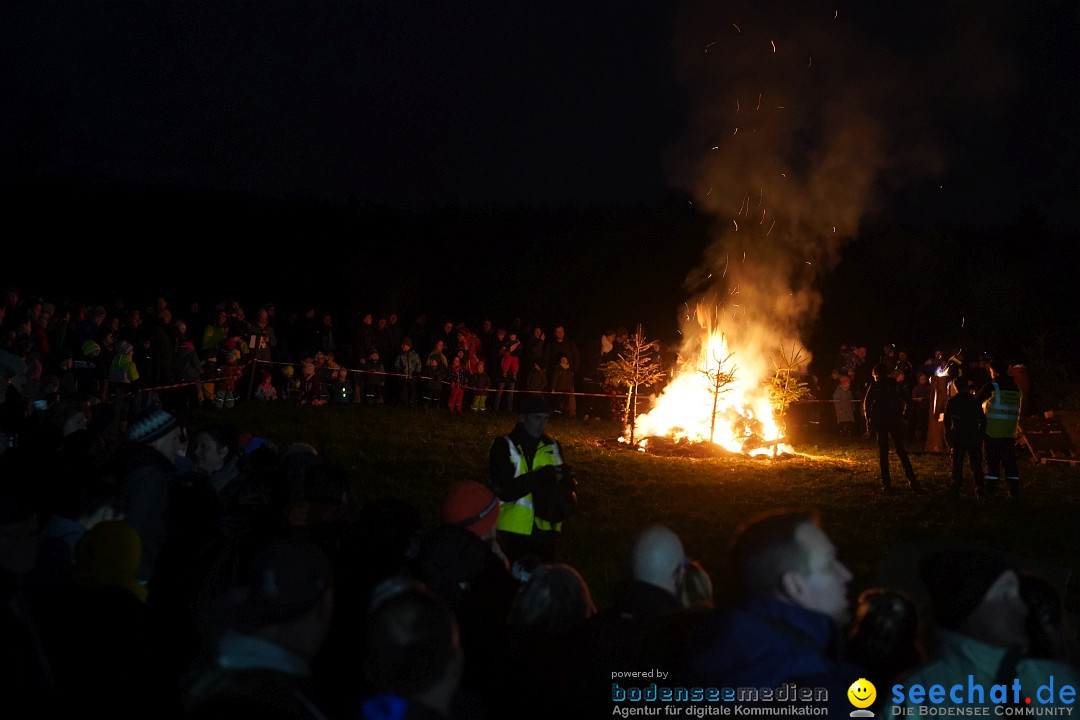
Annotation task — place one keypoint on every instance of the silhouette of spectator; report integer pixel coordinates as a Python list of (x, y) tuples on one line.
[(79, 500), (432, 379), (1001, 399), (146, 467), (965, 425), (98, 629), (413, 660), (311, 387), (27, 670), (792, 611), (622, 633), (263, 340), (884, 638), (407, 366), (561, 343), (1051, 633), (263, 665), (462, 562), (843, 405), (883, 407), (981, 632), (544, 624)]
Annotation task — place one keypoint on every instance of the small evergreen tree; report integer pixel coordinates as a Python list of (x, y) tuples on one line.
[(637, 366), (786, 387), (720, 376)]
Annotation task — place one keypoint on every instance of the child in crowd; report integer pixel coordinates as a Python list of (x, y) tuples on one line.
[(432, 378), (510, 352), (458, 379), (374, 379), (265, 390), (290, 383), (562, 388), (230, 377), (537, 380), (480, 383), (340, 385), (311, 390), (844, 405), (211, 373)]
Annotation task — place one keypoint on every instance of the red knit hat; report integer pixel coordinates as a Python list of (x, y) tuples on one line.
[(470, 505)]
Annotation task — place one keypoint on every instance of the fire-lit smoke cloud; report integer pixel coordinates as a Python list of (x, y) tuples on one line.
[(803, 117)]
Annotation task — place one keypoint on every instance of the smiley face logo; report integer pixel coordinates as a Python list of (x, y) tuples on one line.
[(862, 693)]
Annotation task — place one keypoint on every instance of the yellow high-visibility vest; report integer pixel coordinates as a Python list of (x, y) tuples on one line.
[(1002, 411), (519, 516)]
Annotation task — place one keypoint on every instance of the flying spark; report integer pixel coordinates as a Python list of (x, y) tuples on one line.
[(737, 28), (773, 45)]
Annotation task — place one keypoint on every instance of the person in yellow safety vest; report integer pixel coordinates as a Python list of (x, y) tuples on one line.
[(534, 487), (1000, 399)]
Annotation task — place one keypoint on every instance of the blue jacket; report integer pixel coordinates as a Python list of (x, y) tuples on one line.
[(767, 643)]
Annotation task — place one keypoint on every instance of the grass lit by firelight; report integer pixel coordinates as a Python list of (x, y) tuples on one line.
[(701, 496)]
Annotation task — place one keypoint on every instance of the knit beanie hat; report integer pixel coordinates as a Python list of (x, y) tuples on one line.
[(470, 505), (122, 347), (958, 580), (150, 425), (90, 347)]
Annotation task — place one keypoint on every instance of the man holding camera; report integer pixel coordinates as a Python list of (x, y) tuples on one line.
[(535, 488)]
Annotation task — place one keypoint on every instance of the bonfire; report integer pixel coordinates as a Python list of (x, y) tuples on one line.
[(734, 398)]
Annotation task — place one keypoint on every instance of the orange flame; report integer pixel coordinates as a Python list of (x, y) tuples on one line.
[(718, 394)]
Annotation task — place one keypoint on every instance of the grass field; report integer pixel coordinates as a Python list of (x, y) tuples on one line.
[(702, 495)]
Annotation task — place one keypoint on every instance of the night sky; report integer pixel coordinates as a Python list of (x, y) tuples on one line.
[(787, 149)]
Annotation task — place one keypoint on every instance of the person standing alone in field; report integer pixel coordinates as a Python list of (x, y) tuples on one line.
[(883, 407)]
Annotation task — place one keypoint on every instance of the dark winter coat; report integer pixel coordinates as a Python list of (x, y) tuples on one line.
[(883, 405), (965, 421)]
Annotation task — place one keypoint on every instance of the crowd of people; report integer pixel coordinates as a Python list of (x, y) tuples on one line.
[(977, 407), (200, 572), (192, 356)]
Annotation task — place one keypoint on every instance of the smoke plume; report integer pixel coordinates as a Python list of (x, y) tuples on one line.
[(804, 118)]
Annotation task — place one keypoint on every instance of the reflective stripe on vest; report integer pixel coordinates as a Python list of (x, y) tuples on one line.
[(1002, 412), (518, 516)]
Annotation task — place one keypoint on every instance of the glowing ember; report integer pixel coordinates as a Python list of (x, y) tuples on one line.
[(718, 394)]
